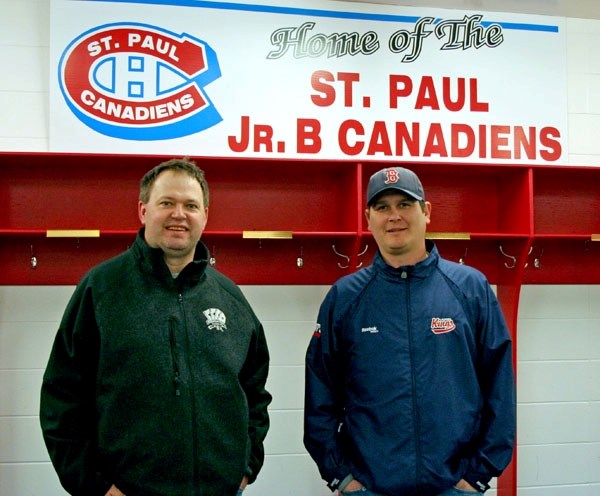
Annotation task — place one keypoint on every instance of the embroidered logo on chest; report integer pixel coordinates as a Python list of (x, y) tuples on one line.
[(442, 325), (215, 319)]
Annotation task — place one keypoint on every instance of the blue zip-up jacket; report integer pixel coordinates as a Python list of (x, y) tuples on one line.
[(409, 380)]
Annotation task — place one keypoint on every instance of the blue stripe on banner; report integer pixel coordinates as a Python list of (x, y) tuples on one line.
[(270, 9), (523, 27)]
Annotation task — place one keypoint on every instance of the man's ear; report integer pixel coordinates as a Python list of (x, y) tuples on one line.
[(205, 218), (142, 212), (368, 217), (427, 211)]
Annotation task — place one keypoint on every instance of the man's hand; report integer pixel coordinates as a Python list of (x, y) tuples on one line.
[(244, 482), (465, 486), (353, 486), (114, 491)]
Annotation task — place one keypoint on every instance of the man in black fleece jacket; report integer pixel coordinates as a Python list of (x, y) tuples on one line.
[(155, 384)]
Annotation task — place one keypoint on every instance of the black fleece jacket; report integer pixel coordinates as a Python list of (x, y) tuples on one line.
[(155, 384)]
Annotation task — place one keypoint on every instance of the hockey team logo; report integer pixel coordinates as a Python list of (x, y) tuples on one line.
[(442, 326), (139, 82), (215, 319)]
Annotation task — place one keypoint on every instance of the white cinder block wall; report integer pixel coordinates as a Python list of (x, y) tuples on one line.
[(559, 326), (558, 376)]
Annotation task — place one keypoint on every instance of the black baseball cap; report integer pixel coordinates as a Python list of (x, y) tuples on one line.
[(397, 178)]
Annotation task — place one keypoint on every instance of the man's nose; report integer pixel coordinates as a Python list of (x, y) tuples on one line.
[(395, 214), (178, 211)]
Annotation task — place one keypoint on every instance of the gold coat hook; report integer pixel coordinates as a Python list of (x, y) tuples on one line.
[(33, 262), (529, 253), (361, 254), (514, 259), (536, 261), (300, 260), (345, 257)]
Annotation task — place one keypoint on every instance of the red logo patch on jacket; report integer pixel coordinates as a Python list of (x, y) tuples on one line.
[(442, 325), (317, 331)]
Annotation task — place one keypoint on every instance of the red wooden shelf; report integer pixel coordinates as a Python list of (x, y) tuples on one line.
[(516, 223), (316, 204)]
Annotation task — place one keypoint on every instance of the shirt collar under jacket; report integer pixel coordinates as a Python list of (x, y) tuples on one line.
[(152, 261), (421, 270)]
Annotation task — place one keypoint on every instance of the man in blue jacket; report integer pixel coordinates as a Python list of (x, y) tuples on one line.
[(409, 379)]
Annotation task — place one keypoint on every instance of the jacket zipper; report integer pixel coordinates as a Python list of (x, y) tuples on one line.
[(192, 396), (414, 385), (176, 376)]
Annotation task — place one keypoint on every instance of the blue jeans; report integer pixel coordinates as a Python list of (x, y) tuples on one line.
[(457, 492), (240, 491), (361, 492), (450, 492)]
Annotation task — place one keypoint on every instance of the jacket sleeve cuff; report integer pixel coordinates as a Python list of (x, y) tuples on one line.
[(249, 473), (479, 482), (347, 480), (337, 484)]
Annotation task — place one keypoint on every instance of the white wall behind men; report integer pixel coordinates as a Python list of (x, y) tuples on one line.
[(559, 326), (558, 371)]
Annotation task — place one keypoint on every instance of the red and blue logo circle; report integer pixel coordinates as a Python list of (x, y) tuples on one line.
[(139, 82)]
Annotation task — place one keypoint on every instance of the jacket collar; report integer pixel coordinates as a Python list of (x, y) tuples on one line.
[(152, 262), (421, 270)]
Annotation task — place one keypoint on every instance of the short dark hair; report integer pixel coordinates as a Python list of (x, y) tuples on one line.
[(185, 165)]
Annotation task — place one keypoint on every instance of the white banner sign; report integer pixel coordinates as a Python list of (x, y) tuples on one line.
[(306, 80)]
